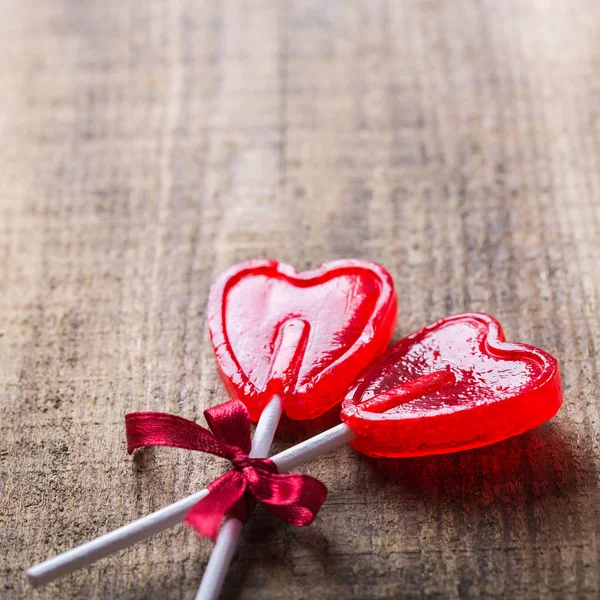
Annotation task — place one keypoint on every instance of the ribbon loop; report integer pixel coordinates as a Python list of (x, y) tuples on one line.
[(293, 497), (230, 422)]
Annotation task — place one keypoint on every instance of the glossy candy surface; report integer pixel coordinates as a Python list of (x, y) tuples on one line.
[(304, 335), (453, 385)]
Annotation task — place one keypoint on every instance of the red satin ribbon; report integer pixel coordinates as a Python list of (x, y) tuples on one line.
[(293, 497)]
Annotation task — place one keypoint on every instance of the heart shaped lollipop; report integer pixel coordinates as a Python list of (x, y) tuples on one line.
[(453, 385), (303, 335)]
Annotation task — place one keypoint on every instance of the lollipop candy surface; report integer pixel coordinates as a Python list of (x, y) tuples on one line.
[(453, 385), (304, 335)]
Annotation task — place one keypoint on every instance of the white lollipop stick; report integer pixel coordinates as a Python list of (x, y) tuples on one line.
[(231, 530), (285, 364), (166, 517), (112, 542)]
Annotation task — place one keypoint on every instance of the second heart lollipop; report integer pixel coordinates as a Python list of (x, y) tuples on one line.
[(453, 385)]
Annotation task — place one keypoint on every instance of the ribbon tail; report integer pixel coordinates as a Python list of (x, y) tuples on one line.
[(225, 494), (292, 497)]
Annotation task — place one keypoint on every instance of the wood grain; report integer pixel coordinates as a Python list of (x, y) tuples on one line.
[(145, 146)]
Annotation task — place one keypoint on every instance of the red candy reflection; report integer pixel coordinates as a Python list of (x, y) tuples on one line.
[(304, 335), (451, 386)]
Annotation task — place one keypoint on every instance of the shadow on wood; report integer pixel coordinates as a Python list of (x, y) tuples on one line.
[(539, 463)]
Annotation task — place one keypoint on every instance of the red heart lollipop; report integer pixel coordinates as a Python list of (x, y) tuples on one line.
[(453, 385), (304, 335)]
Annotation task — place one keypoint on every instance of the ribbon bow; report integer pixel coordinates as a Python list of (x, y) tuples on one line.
[(293, 497)]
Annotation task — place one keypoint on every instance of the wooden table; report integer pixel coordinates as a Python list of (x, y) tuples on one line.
[(145, 146)]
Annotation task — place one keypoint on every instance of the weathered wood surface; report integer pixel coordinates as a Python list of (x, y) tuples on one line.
[(145, 146)]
